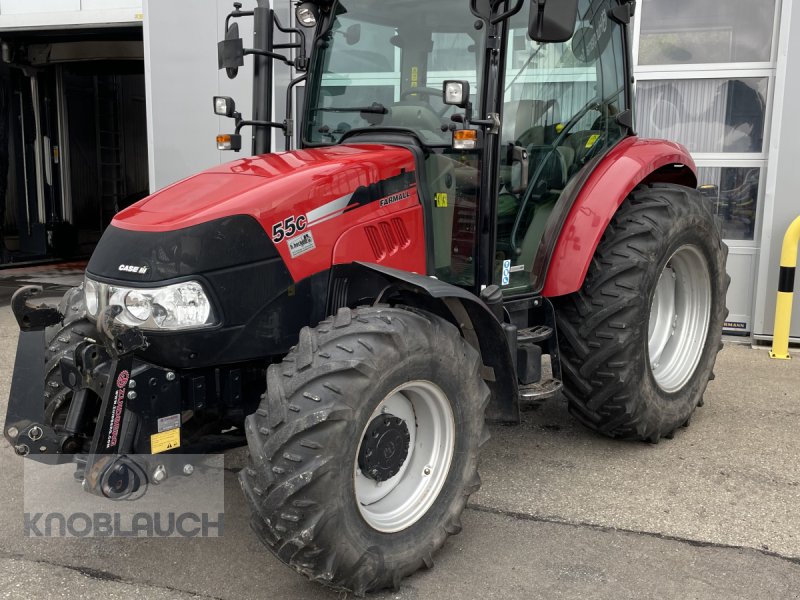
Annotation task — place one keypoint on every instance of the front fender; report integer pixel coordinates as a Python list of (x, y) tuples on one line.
[(470, 314), (630, 163)]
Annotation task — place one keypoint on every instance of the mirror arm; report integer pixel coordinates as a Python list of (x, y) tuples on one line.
[(473, 7), (236, 14), (289, 129), (301, 62), (268, 54), (464, 119), (509, 13), (272, 124)]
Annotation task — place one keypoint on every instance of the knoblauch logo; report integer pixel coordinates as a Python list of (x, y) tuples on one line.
[(119, 402)]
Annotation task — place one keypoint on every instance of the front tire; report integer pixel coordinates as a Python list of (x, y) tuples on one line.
[(60, 341), (640, 339), (365, 448)]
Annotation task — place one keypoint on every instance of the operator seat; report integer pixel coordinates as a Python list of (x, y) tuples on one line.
[(578, 146), (519, 118)]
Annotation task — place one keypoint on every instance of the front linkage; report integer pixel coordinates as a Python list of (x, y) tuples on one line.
[(102, 376)]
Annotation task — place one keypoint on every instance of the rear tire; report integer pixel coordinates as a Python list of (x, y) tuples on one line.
[(306, 447), (639, 340)]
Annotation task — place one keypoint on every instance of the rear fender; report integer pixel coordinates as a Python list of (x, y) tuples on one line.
[(631, 162), (466, 311)]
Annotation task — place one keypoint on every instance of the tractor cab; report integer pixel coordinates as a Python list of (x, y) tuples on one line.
[(505, 113), (526, 117)]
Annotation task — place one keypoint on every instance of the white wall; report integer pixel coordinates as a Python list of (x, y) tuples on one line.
[(181, 76), (47, 14), (782, 203)]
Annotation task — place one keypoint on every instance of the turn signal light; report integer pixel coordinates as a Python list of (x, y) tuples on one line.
[(229, 141), (465, 139)]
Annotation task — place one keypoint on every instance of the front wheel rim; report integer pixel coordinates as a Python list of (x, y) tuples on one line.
[(679, 318), (397, 503)]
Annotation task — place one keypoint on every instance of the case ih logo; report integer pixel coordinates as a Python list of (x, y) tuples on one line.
[(302, 244), (133, 269)]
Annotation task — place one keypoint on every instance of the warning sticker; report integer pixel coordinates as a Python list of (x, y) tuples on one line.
[(167, 423), (441, 200), (167, 440)]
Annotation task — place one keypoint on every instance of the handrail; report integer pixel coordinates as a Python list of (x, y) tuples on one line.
[(783, 307)]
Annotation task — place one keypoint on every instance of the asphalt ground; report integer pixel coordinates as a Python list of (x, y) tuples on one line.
[(563, 513)]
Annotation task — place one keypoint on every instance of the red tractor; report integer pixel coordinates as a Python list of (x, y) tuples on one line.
[(468, 195)]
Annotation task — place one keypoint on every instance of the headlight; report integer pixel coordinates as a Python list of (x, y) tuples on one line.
[(170, 308)]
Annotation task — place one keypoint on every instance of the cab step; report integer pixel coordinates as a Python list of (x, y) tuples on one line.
[(541, 390), (534, 335)]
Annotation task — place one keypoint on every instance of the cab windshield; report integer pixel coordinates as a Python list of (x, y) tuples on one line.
[(381, 65)]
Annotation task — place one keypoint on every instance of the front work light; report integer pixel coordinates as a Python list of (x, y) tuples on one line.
[(229, 141), (456, 93), (306, 14), (224, 106)]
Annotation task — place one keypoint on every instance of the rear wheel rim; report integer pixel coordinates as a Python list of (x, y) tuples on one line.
[(399, 502), (679, 318)]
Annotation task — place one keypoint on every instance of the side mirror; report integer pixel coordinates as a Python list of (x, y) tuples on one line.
[(552, 20), (230, 51)]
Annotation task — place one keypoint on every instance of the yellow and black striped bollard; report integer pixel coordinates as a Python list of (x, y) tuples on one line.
[(783, 309)]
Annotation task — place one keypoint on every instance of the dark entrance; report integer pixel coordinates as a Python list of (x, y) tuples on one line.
[(73, 142)]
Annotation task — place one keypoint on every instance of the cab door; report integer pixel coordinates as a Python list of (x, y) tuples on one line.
[(560, 107)]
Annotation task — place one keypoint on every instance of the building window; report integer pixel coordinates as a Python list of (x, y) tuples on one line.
[(732, 194), (705, 115), (706, 31)]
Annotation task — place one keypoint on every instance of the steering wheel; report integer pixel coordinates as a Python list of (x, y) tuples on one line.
[(430, 93)]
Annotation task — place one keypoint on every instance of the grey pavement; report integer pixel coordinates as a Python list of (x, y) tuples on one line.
[(562, 513)]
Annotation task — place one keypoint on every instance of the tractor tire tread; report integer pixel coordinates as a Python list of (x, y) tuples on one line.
[(291, 453)]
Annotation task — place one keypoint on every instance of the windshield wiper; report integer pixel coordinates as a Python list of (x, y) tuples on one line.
[(374, 109)]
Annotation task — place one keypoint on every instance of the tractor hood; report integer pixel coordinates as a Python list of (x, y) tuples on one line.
[(297, 205), (281, 184)]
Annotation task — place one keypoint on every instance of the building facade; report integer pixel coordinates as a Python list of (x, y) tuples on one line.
[(107, 100)]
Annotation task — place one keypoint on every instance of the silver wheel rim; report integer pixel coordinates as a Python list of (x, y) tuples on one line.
[(679, 318), (399, 502)]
